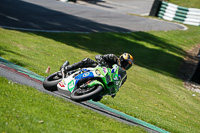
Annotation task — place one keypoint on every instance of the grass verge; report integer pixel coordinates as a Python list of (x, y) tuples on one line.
[(24, 109), (152, 93), (187, 3)]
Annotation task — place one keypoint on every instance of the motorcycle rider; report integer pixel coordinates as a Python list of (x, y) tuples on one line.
[(125, 61)]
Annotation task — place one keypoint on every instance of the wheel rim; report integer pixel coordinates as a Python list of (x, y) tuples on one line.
[(53, 78)]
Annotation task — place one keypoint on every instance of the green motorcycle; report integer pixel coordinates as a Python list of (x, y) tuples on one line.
[(87, 83)]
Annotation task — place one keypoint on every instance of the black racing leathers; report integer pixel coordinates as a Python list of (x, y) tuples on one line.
[(86, 62), (109, 59)]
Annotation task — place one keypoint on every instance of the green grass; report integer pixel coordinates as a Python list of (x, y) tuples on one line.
[(186, 3), (24, 109), (152, 93)]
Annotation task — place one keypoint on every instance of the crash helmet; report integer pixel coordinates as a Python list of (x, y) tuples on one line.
[(125, 61)]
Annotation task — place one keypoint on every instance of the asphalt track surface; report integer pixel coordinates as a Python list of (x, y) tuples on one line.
[(56, 16), (139, 7), (23, 76)]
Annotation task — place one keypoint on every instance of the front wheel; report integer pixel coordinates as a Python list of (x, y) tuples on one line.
[(50, 82), (87, 94)]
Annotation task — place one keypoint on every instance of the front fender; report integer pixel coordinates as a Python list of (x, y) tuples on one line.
[(95, 82)]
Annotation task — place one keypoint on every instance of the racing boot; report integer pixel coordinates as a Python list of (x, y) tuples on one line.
[(66, 63)]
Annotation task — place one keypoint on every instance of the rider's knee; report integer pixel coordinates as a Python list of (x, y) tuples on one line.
[(86, 60)]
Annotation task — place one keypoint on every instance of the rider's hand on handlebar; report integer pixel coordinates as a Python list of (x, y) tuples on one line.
[(100, 59)]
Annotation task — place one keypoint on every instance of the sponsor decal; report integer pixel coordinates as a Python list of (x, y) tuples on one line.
[(98, 72), (104, 70), (61, 84), (71, 85), (114, 69), (86, 74), (115, 77)]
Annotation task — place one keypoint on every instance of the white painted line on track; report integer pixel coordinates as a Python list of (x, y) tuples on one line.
[(184, 27), (38, 30)]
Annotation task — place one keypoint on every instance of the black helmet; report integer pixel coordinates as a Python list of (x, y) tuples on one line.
[(125, 61)]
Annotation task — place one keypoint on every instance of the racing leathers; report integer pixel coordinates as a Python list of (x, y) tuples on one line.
[(109, 60)]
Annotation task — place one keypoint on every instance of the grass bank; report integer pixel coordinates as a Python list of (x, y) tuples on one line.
[(152, 93), (186, 3), (24, 109)]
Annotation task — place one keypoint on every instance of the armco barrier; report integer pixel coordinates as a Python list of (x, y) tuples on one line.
[(172, 12)]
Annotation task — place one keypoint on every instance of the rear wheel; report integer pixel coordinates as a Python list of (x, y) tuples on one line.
[(87, 93), (50, 82)]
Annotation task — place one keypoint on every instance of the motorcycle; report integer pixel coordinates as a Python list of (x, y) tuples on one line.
[(86, 83)]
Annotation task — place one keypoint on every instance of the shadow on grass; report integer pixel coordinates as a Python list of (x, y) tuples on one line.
[(149, 51), (4, 51)]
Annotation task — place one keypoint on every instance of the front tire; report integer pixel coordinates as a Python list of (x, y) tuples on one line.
[(50, 82), (78, 95)]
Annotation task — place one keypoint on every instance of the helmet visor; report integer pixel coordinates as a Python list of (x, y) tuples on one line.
[(126, 64)]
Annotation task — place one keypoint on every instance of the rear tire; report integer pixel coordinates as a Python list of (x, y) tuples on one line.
[(50, 82), (76, 96)]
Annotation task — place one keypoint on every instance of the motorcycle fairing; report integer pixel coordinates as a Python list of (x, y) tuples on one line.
[(69, 83), (108, 76)]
